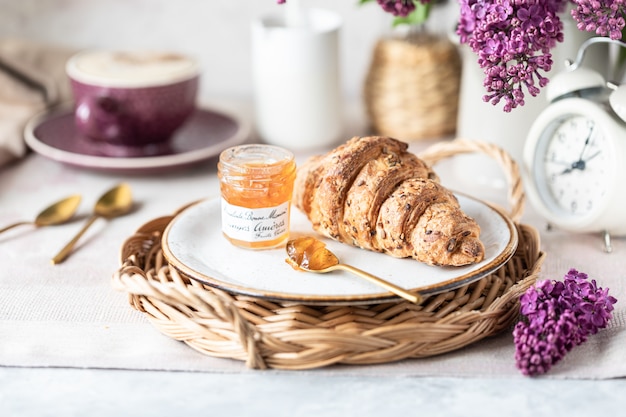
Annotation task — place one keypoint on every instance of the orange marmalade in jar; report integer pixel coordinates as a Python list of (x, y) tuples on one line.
[(256, 183)]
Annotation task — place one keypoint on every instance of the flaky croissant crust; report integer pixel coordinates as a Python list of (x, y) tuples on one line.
[(372, 193)]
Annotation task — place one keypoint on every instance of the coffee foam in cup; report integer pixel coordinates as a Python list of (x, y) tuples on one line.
[(131, 69)]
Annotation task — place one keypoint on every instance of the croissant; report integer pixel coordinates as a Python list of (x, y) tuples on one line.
[(372, 193)]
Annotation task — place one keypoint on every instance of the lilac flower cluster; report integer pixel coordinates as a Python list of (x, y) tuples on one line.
[(512, 39), (556, 317), (397, 7), (605, 18)]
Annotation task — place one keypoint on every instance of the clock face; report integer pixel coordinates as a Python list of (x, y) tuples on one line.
[(575, 172)]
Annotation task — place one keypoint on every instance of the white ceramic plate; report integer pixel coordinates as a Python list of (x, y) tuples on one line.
[(193, 243)]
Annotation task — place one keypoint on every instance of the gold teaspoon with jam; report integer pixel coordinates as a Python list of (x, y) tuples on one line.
[(311, 255)]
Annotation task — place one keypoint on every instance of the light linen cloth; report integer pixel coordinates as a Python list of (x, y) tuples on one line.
[(32, 79)]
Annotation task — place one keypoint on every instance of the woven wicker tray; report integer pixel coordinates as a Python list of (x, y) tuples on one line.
[(266, 334)]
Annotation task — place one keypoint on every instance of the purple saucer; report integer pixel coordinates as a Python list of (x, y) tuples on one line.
[(205, 135)]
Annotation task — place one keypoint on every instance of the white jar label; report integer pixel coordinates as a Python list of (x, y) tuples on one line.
[(254, 224)]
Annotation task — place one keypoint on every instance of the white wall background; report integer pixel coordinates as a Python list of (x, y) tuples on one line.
[(217, 32)]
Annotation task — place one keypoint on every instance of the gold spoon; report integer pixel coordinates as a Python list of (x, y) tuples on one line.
[(115, 202), (311, 255), (57, 213)]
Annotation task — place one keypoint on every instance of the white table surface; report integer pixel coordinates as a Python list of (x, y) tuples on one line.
[(68, 391), (26, 392)]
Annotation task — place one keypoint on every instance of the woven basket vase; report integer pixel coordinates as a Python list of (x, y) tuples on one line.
[(411, 90), (268, 334)]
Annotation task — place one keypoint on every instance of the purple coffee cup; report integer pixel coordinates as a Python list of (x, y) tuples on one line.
[(132, 98)]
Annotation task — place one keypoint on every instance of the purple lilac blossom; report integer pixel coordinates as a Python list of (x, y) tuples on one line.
[(556, 317), (605, 17), (397, 7), (512, 39)]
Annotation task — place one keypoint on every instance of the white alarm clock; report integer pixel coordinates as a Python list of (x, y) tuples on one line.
[(575, 153)]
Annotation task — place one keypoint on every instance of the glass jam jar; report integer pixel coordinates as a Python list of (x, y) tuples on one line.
[(256, 184)]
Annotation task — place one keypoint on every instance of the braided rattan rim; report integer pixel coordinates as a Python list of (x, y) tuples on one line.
[(515, 193), (266, 334)]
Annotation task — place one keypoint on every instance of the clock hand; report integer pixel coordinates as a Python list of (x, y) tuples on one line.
[(591, 157), (586, 142), (580, 164)]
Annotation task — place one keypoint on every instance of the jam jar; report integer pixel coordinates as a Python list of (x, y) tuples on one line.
[(256, 184)]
